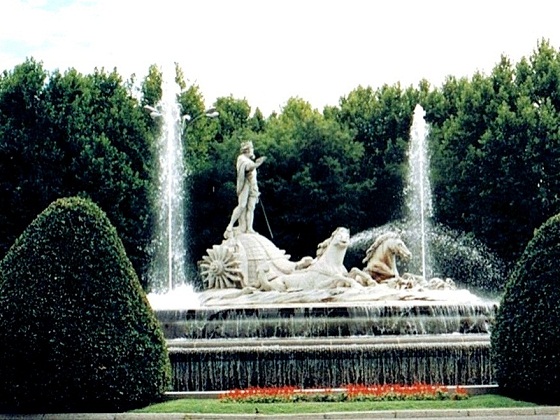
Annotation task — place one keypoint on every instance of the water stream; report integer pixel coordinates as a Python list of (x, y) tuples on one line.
[(169, 253), (418, 191)]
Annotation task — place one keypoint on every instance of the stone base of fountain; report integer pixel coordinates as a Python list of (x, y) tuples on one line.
[(324, 363), (329, 345)]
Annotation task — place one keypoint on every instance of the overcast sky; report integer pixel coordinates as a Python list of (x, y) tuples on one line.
[(267, 51)]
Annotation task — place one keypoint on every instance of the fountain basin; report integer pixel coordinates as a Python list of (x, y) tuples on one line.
[(214, 365), (328, 345)]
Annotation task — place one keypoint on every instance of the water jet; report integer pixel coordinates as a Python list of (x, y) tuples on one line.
[(168, 249)]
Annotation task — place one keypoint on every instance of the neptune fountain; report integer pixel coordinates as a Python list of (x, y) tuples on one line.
[(265, 320)]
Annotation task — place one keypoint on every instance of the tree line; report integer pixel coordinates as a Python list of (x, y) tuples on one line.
[(494, 144)]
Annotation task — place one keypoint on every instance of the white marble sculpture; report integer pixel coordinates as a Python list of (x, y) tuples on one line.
[(326, 271), (247, 268), (247, 190), (381, 257)]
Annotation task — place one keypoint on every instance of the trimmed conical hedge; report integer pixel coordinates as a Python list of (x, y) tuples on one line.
[(526, 337), (77, 333)]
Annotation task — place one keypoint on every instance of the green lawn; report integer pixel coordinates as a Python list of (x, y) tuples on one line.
[(188, 405)]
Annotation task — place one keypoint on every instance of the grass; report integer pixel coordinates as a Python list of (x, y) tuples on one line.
[(215, 406)]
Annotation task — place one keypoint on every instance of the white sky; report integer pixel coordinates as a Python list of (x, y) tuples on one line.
[(267, 51)]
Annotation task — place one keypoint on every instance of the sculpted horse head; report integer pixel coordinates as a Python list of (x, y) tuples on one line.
[(381, 256), (334, 248)]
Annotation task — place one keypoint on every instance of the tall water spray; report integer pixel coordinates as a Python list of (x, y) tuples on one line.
[(418, 191), (169, 250), (437, 251)]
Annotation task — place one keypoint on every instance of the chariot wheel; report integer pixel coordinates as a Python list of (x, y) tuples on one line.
[(221, 268)]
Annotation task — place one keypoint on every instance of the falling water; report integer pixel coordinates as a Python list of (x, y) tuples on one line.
[(236, 365), (418, 191), (282, 324), (169, 251)]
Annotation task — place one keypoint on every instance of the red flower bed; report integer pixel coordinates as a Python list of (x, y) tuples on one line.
[(346, 393)]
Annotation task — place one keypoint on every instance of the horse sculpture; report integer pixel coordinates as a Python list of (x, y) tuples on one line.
[(325, 278), (380, 259), (326, 271)]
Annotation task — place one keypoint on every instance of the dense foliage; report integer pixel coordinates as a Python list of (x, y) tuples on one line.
[(526, 337), (76, 330), (494, 143), (309, 181), (496, 147), (70, 134)]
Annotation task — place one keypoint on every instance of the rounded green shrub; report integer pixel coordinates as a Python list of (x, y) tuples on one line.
[(526, 336), (77, 333)]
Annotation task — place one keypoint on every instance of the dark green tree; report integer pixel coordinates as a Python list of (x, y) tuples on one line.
[(497, 150), (458, 119), (152, 86), (199, 130), (23, 135), (381, 121), (311, 179), (70, 134), (234, 116), (76, 331), (526, 336), (257, 122)]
